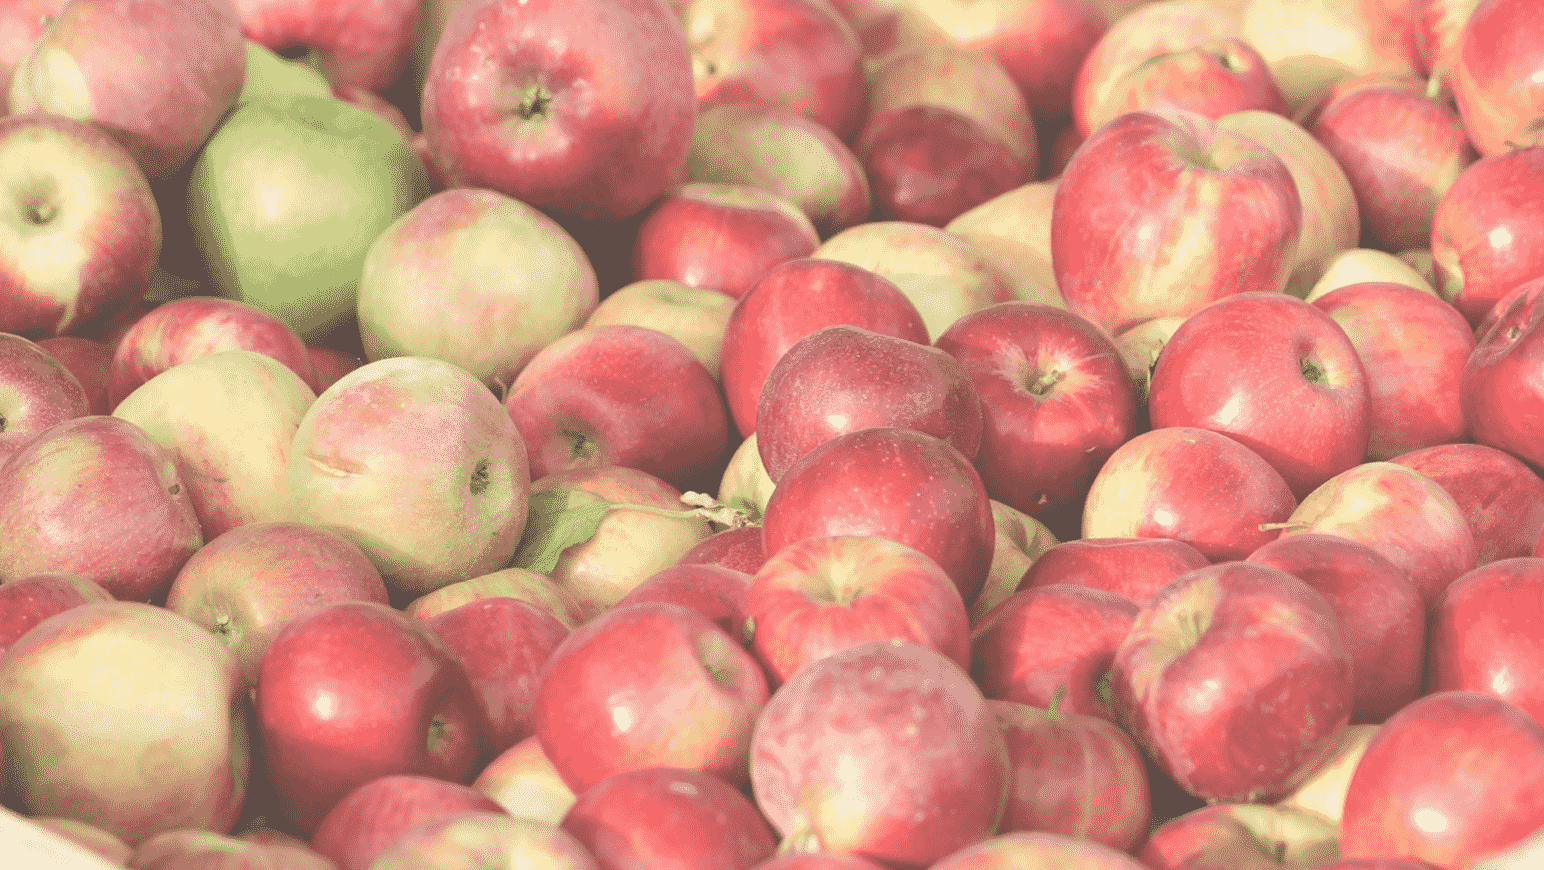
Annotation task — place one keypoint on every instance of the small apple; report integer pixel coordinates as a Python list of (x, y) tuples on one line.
[(37, 391), (355, 43), (373, 816), (27, 601)]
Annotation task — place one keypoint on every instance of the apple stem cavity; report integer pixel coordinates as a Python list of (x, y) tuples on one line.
[(1043, 384), (1312, 371)]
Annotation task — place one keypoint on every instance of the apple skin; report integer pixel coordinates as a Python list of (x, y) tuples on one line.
[(90, 361), (793, 300), (1329, 40), (694, 316), (1134, 567), (191, 61), (1055, 401), (481, 839), (1488, 230), (1438, 29), (1119, 263), (356, 43), (189, 849), (818, 861), (355, 690), (1324, 791), (1500, 389), (1494, 76), (1018, 540), (746, 487), (130, 524), (1012, 232), (27, 601), (1485, 635), (584, 111), (900, 484), (90, 837), (371, 817), (84, 232), (1193, 485), (1037, 850), (525, 585), (1221, 364), (736, 549), (37, 392), (713, 590), (1501, 498), (1243, 837), (523, 781), (1451, 777), (1355, 265), (176, 752), (21, 23), (924, 768), (1213, 77), (1382, 616), (1229, 650)]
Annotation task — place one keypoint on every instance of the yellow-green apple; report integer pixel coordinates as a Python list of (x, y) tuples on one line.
[(1037, 850), (126, 716), (1018, 541), (1400, 148), (1241, 837), (1013, 232), (842, 378), (523, 781), (417, 462), (90, 837), (269, 73), (361, 43), (715, 591), (1413, 347), (189, 63), (1357, 265), (1450, 778), (1052, 644), (926, 773), (1073, 774), (246, 584), (946, 130), (82, 231), (502, 644), (720, 236), (473, 840), (894, 483), (614, 694), (694, 316), (286, 199), (1486, 232), (621, 395), (1134, 567), (783, 152), (1501, 497), (27, 601), (90, 361), (1140, 346), (519, 583), (1311, 44), (645, 530), (1382, 616), (354, 690), (1495, 76), (331, 364), (943, 276), (21, 23), (590, 120), (1055, 400), (1236, 680), (1209, 213), (1213, 77), (793, 300), (372, 816), (669, 817), (746, 486), (799, 55), (817, 597), (475, 278), (37, 391), (1324, 791), (98, 497), (1298, 358), (1500, 390), (739, 549), (1405, 516), (1486, 636), (1332, 221), (229, 420)]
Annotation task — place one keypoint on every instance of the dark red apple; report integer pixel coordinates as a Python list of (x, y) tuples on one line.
[(1134, 567), (1500, 496)]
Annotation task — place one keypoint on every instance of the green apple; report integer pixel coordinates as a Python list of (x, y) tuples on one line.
[(288, 196), (269, 74)]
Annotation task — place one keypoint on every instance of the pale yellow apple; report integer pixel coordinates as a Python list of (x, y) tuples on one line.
[(1012, 232)]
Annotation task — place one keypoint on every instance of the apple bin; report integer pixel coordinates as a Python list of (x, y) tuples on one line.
[(771, 434)]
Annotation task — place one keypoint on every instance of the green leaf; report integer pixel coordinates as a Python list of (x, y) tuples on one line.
[(553, 524)]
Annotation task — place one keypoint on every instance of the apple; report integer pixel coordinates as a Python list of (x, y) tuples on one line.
[(1495, 76), (518, 583), (187, 848), (1038, 850), (1018, 541), (1449, 778), (83, 232), (475, 278), (746, 487), (715, 591), (21, 23), (1213, 77), (1485, 236), (1012, 231), (374, 815), (694, 316), (97, 497), (1357, 265), (90, 837), (523, 781), (190, 60), (1170, 246), (287, 197), (1134, 567), (886, 750), (1499, 388), (469, 841), (270, 73), (27, 601), (331, 364), (355, 690), (720, 236), (418, 464), (1140, 346), (1242, 836), (590, 121), (37, 392), (1437, 30), (90, 361), (126, 716), (356, 43), (817, 861), (738, 549), (1501, 498), (1324, 791), (1522, 294), (1311, 44), (1515, 857), (1485, 634)]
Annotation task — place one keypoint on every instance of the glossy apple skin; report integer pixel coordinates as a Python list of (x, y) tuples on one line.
[(1214, 77), (90, 361), (524, 782), (362, 44), (1134, 567), (1231, 650), (1194, 485), (37, 391), (924, 767), (356, 690), (895, 483), (27, 601), (739, 549), (532, 100), (1055, 401), (1116, 262), (1486, 635), (1451, 777), (1487, 233), (1382, 616), (713, 590), (1324, 791), (1502, 384), (369, 818), (842, 378), (793, 300), (1495, 75), (1276, 374), (1052, 642), (1501, 498), (669, 817), (1243, 837)]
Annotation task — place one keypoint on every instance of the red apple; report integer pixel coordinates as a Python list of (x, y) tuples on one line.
[(1213, 77), (524, 782), (362, 44), (90, 361), (694, 316), (1438, 31), (1241, 837), (1487, 233), (736, 549), (1501, 498), (37, 391), (331, 364), (1495, 75), (519, 583), (371, 817), (713, 590), (470, 841), (1134, 567), (1486, 634), (1500, 389), (1038, 850), (27, 601)]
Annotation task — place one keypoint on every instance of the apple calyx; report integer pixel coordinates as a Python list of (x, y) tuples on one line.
[(556, 521), (535, 103)]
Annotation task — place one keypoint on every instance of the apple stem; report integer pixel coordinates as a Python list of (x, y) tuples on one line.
[(1043, 384)]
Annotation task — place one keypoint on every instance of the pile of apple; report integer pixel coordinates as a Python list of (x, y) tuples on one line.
[(772, 434)]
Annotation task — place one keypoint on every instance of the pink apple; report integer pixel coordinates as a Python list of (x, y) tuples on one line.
[(695, 316), (1487, 233), (371, 817), (1486, 636), (1499, 387), (21, 23), (331, 364), (1438, 30), (468, 841), (1241, 837), (90, 361), (362, 44), (713, 590), (1134, 567), (1213, 77), (37, 391), (1495, 75), (523, 781), (1501, 498), (736, 549), (1038, 850), (519, 583), (27, 601), (187, 849)]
